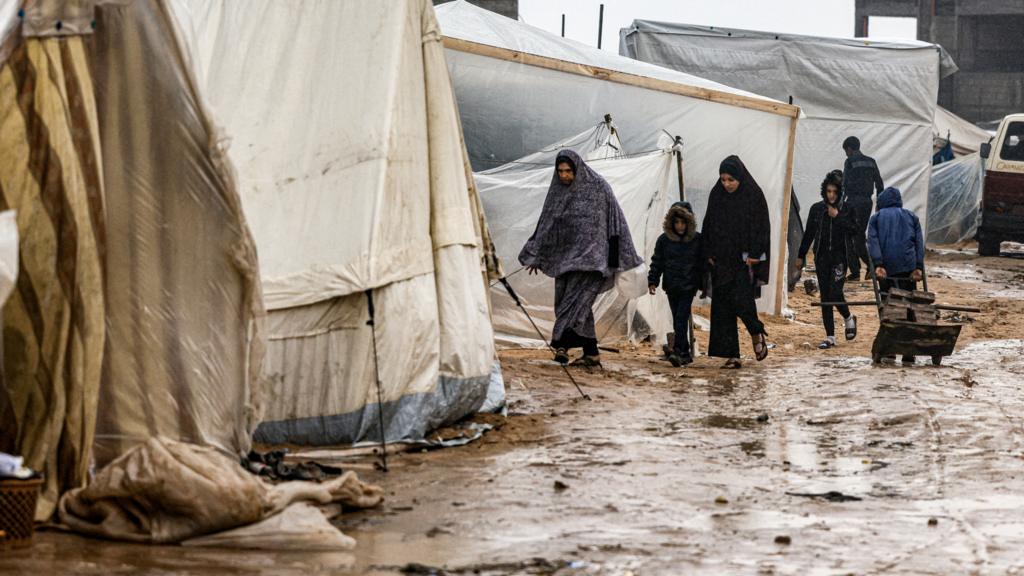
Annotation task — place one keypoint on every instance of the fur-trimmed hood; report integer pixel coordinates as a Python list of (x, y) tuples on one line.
[(678, 211)]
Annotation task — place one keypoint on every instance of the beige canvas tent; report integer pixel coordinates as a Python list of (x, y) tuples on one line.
[(138, 312), (135, 312), (341, 122)]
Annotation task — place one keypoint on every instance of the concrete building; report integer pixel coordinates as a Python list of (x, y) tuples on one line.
[(985, 37), (508, 8)]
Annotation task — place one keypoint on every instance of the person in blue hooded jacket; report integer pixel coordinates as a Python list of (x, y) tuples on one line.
[(896, 245)]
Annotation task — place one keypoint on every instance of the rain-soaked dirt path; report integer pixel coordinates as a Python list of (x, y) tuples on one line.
[(808, 463)]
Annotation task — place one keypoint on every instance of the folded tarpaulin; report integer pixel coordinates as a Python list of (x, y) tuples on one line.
[(164, 492)]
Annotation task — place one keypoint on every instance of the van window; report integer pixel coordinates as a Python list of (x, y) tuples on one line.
[(1013, 144)]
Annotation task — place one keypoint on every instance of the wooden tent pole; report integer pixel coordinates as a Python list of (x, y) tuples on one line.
[(787, 191)]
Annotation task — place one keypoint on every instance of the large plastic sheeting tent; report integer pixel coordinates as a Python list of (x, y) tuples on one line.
[(882, 92), (513, 196), (354, 179), (955, 200), (520, 88), (965, 137), (137, 308)]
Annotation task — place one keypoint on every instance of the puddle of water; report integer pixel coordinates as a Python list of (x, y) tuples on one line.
[(635, 373)]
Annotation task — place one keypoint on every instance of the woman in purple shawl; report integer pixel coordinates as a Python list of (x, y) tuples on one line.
[(737, 243), (582, 239)]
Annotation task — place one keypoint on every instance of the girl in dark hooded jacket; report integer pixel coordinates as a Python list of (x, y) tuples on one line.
[(831, 229), (677, 266)]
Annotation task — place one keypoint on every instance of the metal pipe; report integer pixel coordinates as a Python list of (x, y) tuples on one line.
[(872, 303), (563, 25), (679, 169), (600, 26), (854, 303)]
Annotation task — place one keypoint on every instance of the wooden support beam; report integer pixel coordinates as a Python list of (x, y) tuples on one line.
[(606, 74)]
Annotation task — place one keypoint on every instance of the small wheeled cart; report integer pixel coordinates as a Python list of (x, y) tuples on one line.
[(909, 327), (909, 323)]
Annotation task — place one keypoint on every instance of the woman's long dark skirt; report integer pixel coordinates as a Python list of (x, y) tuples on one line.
[(731, 297), (575, 293)]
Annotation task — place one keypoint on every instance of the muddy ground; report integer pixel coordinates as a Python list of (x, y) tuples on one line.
[(808, 463)]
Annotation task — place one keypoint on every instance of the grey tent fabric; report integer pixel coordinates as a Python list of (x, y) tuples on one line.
[(883, 92)]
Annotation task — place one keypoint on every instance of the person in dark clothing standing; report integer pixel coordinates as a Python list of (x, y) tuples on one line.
[(737, 243), (861, 180), (677, 266), (896, 244), (830, 225)]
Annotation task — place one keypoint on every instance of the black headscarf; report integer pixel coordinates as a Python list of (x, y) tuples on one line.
[(737, 223)]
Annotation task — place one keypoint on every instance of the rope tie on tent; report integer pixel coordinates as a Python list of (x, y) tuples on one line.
[(376, 370), (512, 293)]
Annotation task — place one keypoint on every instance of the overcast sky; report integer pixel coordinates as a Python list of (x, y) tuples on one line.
[(814, 17)]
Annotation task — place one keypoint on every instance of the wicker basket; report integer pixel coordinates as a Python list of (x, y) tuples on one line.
[(18, 511)]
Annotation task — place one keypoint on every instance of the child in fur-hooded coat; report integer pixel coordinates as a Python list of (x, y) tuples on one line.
[(678, 266)]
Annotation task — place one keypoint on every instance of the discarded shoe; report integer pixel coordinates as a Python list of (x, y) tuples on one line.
[(561, 356)]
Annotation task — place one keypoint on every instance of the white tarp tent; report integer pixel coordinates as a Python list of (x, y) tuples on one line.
[(964, 136), (343, 128), (520, 88), (883, 92), (954, 200), (513, 196)]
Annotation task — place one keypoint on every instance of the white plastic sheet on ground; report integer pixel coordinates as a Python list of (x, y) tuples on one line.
[(883, 92), (955, 199), (510, 110)]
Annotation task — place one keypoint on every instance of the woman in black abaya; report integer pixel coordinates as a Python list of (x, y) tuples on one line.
[(737, 244)]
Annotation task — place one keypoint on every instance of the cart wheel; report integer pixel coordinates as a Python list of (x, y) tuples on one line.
[(936, 360)]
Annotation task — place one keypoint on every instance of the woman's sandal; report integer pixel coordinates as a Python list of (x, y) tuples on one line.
[(760, 347), (732, 364), (561, 356)]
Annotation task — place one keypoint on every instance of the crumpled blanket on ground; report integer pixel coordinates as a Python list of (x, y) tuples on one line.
[(164, 492)]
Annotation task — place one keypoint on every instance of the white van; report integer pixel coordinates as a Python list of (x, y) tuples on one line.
[(1002, 201)]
